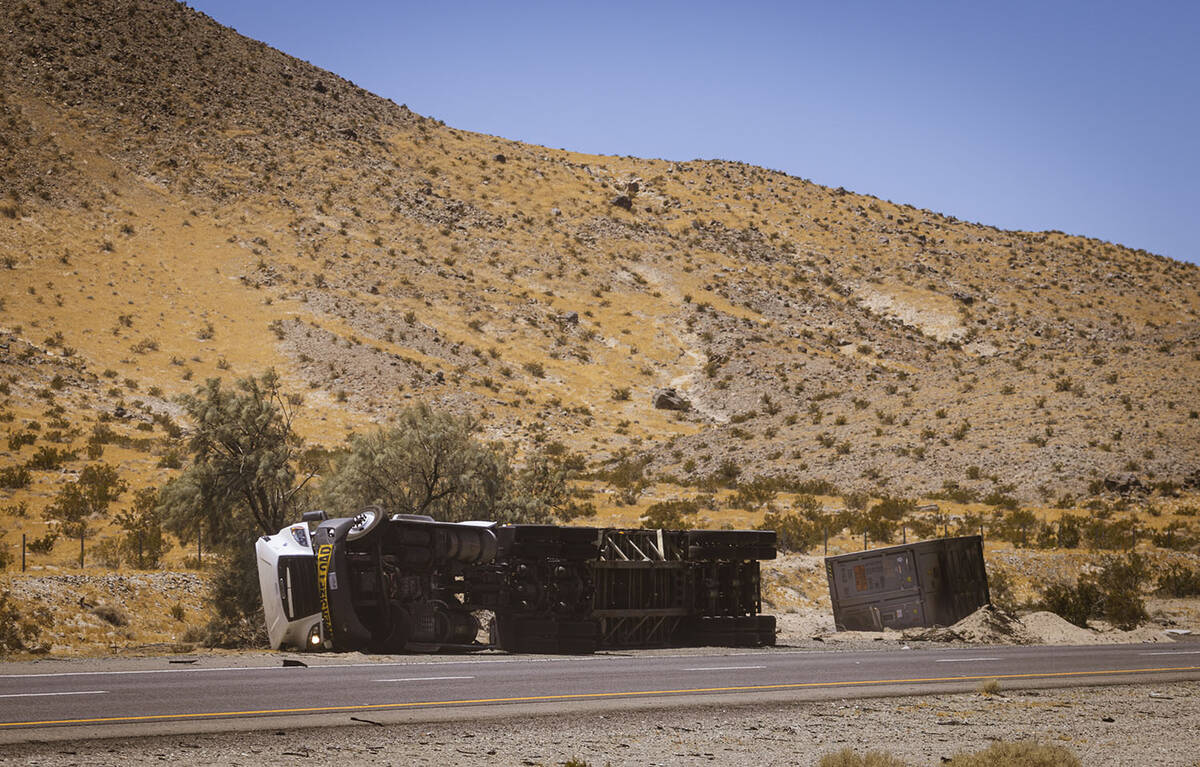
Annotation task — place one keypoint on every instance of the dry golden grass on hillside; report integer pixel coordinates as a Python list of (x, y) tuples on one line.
[(181, 203)]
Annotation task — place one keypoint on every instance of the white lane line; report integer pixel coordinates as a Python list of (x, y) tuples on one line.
[(724, 668), (422, 679), (1172, 652), (963, 660), (49, 694), (323, 667)]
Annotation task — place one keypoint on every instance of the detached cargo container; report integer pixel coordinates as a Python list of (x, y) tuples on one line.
[(930, 583)]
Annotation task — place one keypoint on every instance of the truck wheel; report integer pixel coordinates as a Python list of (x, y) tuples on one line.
[(398, 635), (364, 522)]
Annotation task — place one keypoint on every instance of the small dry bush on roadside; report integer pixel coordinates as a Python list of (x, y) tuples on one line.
[(847, 757), (21, 631), (111, 614), (1017, 755), (1179, 581)]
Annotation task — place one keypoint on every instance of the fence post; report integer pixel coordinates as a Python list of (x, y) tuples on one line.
[(81, 532), (22, 552), (199, 552), (139, 539), (826, 540), (904, 533), (864, 540)]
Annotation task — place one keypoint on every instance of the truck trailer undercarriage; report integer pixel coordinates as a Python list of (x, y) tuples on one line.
[(406, 583)]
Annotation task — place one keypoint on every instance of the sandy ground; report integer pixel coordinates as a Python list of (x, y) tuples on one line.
[(1122, 725)]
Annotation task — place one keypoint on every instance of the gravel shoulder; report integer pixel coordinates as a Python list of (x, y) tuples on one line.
[(1118, 725)]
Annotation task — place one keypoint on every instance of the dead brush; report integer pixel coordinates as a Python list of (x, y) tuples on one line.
[(989, 687)]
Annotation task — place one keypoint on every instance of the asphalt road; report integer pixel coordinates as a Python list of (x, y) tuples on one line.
[(157, 696)]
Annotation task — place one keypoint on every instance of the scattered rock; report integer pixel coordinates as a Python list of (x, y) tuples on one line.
[(622, 201), (1123, 483), (570, 318), (669, 399), (500, 158)]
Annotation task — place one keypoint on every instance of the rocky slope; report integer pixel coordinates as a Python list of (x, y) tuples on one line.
[(182, 202)]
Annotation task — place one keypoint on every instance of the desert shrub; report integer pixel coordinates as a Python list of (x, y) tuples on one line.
[(6, 555), (1121, 580), (88, 497), (1001, 500), (952, 491), (810, 487), (1015, 526), (848, 757), (50, 458), (15, 477), (535, 369), (44, 544), (19, 631), (177, 612), (1114, 593), (1072, 602), (107, 552), (794, 531), (879, 521), (670, 515), (1069, 531), (18, 439), (1179, 581), (1000, 589), (755, 494), (142, 543), (627, 476), (989, 687), (111, 614), (856, 500), (1101, 533), (1008, 754), (923, 527), (1178, 536)]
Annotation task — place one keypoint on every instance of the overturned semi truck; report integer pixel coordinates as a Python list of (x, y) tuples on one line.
[(407, 583)]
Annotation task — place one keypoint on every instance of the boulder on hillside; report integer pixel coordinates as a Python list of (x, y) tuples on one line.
[(622, 201), (669, 399), (1123, 483)]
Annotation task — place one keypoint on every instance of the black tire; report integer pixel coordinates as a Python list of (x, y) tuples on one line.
[(365, 522)]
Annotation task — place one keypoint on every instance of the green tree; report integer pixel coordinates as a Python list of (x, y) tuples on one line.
[(245, 479), (245, 454), (428, 462), (540, 491), (98, 486)]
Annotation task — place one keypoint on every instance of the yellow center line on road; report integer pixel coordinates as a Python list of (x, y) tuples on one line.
[(591, 696)]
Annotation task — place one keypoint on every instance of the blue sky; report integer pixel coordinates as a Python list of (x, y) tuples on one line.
[(1079, 116)]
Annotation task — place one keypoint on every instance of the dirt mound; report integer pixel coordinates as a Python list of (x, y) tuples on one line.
[(1049, 628), (987, 625)]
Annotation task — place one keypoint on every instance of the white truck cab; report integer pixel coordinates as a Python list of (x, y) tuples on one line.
[(287, 578)]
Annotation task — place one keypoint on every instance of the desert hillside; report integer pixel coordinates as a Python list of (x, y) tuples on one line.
[(180, 202)]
